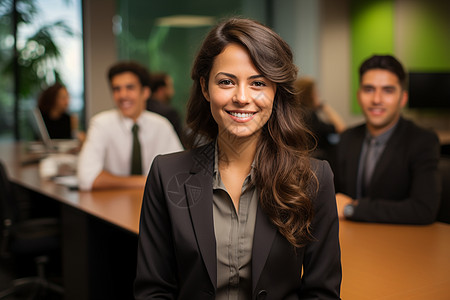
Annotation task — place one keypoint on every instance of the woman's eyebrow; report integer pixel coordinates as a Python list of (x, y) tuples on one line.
[(234, 76), (226, 74)]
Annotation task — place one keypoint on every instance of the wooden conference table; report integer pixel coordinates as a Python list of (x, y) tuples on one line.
[(379, 261), (99, 230), (395, 262)]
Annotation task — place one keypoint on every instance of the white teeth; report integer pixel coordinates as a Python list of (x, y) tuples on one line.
[(125, 104), (241, 115)]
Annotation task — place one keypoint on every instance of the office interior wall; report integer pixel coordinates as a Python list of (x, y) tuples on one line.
[(99, 53), (335, 58), (297, 21), (324, 34), (371, 33), (317, 32), (423, 34), (423, 43)]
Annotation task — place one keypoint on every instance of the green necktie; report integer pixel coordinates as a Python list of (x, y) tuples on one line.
[(136, 164)]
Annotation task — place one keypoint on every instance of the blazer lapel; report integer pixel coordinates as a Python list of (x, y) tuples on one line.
[(263, 239), (199, 193)]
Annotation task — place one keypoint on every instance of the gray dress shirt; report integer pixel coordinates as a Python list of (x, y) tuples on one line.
[(234, 232)]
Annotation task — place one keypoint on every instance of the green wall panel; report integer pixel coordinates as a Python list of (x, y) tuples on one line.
[(427, 40), (372, 23)]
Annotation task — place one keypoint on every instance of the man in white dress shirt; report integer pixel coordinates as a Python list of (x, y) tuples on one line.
[(105, 157)]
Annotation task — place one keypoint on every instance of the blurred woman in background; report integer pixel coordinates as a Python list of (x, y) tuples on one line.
[(53, 104), (323, 121)]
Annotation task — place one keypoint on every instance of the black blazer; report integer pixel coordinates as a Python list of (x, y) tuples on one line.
[(404, 187), (177, 250)]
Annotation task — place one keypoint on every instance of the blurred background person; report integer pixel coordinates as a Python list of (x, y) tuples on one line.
[(323, 121), (53, 104), (161, 85), (387, 167), (122, 142)]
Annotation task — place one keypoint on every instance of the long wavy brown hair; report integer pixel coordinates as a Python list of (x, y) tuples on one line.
[(282, 172)]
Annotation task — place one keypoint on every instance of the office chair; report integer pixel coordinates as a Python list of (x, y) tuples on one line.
[(444, 173), (26, 238)]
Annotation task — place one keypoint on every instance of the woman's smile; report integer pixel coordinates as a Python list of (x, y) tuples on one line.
[(241, 116)]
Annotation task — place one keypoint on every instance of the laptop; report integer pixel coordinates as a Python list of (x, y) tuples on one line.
[(58, 161), (52, 145)]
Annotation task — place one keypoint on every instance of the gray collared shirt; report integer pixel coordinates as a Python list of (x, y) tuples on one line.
[(379, 144), (234, 232)]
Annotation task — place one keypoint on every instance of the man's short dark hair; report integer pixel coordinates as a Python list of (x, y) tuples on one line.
[(130, 66), (385, 62), (158, 80)]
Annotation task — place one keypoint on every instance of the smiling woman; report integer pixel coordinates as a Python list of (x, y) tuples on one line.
[(253, 216)]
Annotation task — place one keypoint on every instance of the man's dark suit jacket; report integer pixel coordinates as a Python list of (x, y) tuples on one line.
[(177, 250), (167, 112), (404, 187)]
